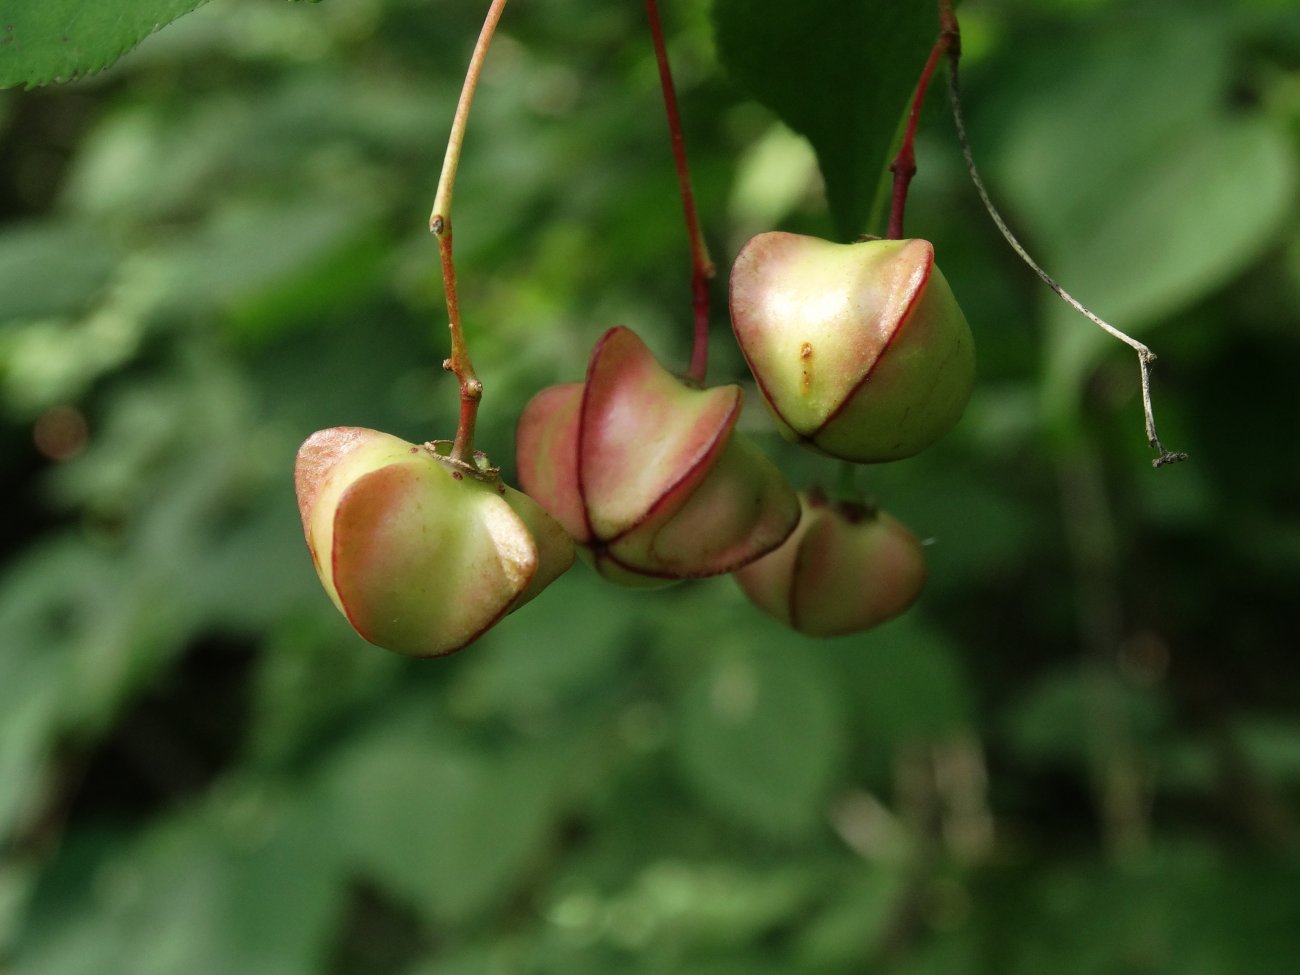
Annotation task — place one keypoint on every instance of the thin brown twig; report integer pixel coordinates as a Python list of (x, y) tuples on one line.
[(1144, 354)]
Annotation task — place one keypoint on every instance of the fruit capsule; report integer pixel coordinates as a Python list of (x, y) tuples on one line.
[(859, 350), (421, 553), (647, 473), (846, 568)]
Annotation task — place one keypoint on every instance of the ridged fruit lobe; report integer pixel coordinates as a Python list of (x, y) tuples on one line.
[(860, 350), (647, 473), (845, 569), (420, 553)]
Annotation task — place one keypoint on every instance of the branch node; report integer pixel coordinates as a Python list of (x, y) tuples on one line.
[(471, 390)]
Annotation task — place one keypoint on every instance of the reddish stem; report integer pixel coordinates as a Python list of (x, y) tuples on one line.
[(904, 165), (471, 390), (702, 269)]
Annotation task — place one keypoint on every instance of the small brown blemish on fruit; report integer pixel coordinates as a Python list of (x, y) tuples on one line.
[(805, 374), (458, 475), (415, 450)]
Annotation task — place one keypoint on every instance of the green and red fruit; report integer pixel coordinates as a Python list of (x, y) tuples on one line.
[(647, 473), (859, 350), (421, 553), (845, 569)]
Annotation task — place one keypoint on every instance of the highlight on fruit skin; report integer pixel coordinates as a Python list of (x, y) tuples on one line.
[(420, 553), (846, 568), (860, 350), (647, 473)]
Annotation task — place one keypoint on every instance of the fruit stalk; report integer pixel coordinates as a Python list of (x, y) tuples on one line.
[(459, 363), (702, 269), (904, 165)]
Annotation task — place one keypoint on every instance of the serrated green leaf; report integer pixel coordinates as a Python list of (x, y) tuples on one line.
[(43, 41), (839, 72)]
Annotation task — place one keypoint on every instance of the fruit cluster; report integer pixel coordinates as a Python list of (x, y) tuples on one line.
[(859, 351)]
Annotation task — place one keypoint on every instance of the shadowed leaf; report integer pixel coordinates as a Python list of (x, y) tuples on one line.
[(839, 72)]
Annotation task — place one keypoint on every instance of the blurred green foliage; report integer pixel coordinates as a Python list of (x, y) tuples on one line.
[(1080, 753)]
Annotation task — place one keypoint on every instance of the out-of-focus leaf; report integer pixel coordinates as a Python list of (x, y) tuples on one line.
[(759, 737), (696, 904), (771, 178), (28, 720), (839, 72), (1272, 746), (51, 268), (250, 252), (1177, 909), (1051, 725), (48, 361), (991, 532), (1162, 195), (47, 601), (856, 918), (249, 884), (551, 654), (58, 40), (305, 680), (444, 827), (904, 682), (1174, 230)]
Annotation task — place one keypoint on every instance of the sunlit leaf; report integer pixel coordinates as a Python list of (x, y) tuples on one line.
[(58, 40)]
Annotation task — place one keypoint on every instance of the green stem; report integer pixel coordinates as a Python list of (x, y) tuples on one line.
[(702, 269), (471, 390)]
